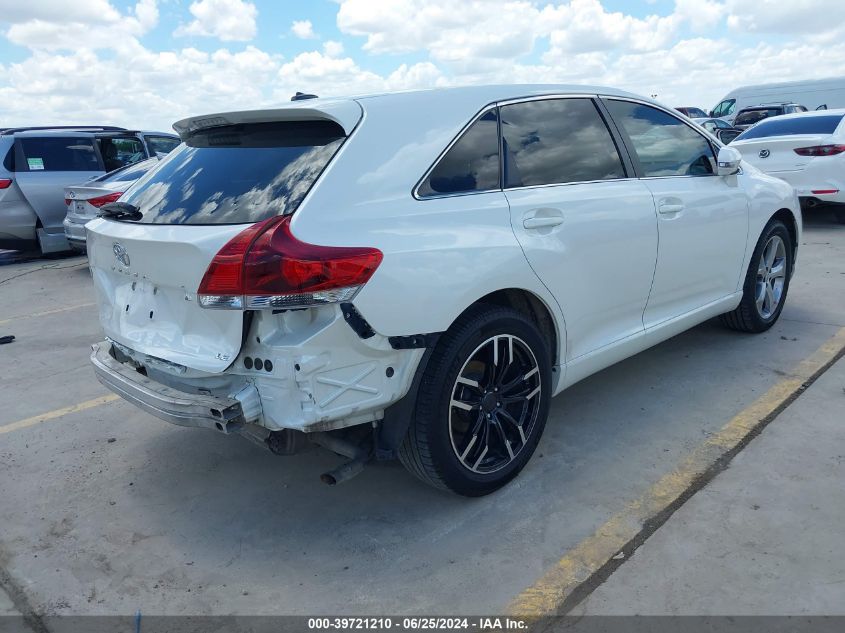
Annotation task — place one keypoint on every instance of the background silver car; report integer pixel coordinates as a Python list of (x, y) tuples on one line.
[(84, 201), (38, 163)]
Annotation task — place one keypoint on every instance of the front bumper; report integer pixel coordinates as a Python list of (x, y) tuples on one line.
[(171, 405)]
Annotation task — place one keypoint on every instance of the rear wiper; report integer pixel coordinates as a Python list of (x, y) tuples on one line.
[(120, 211)]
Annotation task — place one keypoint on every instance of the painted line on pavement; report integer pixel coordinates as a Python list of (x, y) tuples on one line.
[(52, 415), (589, 563), (46, 312)]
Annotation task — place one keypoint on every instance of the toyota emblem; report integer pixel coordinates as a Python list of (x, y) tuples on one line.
[(120, 254), (764, 153)]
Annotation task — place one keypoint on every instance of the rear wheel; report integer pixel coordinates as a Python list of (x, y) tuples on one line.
[(766, 282), (482, 403)]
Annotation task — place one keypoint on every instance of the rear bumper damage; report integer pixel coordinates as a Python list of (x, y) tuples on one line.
[(171, 405)]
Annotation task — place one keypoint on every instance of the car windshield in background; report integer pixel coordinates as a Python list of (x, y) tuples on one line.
[(750, 117), (59, 154), (162, 144), (826, 124), (237, 174)]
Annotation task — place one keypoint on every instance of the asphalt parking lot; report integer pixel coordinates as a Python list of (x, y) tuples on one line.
[(107, 510)]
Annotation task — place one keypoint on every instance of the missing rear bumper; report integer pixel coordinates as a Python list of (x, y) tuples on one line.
[(171, 405)]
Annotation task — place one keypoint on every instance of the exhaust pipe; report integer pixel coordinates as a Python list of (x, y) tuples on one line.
[(358, 457)]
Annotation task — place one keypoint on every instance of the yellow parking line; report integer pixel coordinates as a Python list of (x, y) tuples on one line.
[(547, 595), (46, 312), (52, 415)]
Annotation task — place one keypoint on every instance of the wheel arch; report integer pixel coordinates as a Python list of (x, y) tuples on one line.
[(788, 218), (535, 308)]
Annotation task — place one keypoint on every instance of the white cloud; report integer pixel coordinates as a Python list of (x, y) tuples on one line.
[(228, 20), (795, 16), (116, 78), (45, 24), (303, 29)]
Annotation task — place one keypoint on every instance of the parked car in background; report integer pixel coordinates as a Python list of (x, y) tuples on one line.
[(84, 201), (747, 117), (325, 271), (691, 112), (806, 150), (38, 163), (722, 130), (815, 94)]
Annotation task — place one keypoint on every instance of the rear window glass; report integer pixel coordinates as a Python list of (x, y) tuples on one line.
[(59, 154), (826, 124), (129, 172), (471, 164), (237, 174), (750, 117)]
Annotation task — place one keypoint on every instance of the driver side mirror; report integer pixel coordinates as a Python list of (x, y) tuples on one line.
[(728, 161)]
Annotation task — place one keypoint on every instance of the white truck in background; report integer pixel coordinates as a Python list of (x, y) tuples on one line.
[(815, 94)]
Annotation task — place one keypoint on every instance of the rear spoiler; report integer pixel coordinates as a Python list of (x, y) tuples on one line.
[(344, 112)]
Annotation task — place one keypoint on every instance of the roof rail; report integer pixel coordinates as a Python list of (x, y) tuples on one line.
[(80, 128)]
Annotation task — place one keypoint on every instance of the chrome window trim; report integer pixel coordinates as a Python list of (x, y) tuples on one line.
[(502, 188), (695, 128), (415, 192)]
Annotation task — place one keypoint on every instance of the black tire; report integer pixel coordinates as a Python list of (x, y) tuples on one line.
[(747, 317), (428, 450)]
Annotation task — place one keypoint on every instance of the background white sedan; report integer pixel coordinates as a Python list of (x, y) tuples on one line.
[(807, 150)]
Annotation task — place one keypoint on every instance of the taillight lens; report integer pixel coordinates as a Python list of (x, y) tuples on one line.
[(101, 200), (5, 183), (820, 150), (265, 266)]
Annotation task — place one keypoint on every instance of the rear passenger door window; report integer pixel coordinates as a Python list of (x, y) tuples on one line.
[(51, 153), (663, 144), (557, 141), (471, 164)]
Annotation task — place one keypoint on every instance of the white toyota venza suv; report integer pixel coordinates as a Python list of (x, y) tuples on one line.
[(415, 275)]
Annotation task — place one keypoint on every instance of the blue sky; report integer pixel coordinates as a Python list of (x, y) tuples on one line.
[(146, 63)]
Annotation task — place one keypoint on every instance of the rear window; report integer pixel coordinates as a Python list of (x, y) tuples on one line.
[(750, 117), (129, 172), (826, 124), (59, 154), (237, 174)]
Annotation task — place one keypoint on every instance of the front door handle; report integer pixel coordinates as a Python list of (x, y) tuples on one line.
[(668, 209), (542, 222)]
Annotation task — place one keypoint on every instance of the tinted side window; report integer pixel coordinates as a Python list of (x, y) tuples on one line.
[(664, 145), (130, 172), (557, 141), (471, 164), (59, 154), (162, 144)]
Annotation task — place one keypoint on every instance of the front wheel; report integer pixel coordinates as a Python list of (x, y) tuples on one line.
[(482, 403), (766, 282)]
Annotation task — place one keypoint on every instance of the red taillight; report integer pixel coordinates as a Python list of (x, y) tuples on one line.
[(101, 200), (5, 183), (68, 201), (820, 150), (265, 266)]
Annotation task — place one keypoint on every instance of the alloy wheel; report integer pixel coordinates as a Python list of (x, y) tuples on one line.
[(494, 404), (771, 277)]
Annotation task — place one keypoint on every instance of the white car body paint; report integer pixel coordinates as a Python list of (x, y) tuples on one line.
[(616, 276), (775, 155)]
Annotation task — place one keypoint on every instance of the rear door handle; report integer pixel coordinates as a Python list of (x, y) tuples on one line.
[(542, 222), (671, 208)]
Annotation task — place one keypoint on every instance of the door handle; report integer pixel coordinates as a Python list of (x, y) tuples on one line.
[(542, 222), (667, 209)]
